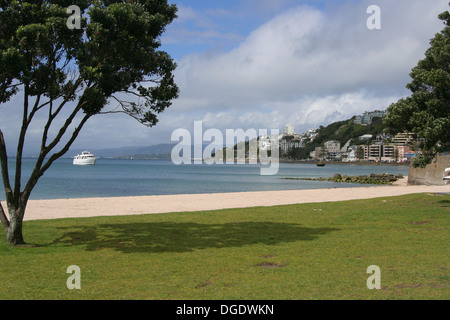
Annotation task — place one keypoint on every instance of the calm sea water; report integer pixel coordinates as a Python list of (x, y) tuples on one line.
[(114, 178)]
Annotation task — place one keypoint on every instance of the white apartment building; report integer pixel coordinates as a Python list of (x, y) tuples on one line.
[(288, 145), (333, 146), (288, 130)]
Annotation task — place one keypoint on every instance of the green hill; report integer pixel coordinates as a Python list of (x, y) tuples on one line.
[(342, 131)]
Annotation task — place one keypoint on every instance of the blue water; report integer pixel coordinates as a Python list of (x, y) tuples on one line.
[(113, 178)]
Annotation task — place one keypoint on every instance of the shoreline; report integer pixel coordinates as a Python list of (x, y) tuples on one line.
[(356, 163), (143, 205)]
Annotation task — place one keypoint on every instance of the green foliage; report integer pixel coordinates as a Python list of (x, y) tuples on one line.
[(360, 152), (110, 56), (427, 111), (115, 51), (342, 131), (93, 100)]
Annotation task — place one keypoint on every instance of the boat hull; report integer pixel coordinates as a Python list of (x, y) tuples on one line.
[(84, 162), (320, 164), (84, 159)]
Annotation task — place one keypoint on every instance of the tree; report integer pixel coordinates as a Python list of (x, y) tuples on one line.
[(396, 155), (110, 64), (360, 153), (426, 112)]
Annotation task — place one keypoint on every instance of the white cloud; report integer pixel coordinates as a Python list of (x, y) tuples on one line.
[(304, 67), (313, 64)]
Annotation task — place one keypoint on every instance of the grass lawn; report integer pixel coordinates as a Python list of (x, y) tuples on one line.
[(307, 251)]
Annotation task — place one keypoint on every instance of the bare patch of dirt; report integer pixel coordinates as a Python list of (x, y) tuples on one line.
[(268, 256), (27, 246), (269, 265), (439, 285), (421, 222), (409, 286), (208, 283)]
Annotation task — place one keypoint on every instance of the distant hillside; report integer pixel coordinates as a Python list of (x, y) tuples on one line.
[(160, 149), (342, 131)]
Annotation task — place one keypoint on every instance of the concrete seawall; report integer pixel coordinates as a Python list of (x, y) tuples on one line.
[(432, 175)]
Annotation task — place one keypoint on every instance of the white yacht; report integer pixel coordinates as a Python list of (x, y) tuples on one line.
[(84, 159)]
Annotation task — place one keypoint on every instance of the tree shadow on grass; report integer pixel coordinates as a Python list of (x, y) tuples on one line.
[(185, 237)]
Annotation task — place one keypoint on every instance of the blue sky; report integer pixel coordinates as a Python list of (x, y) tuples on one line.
[(262, 64), (221, 25)]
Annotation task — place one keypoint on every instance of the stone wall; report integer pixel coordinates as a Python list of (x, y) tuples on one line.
[(433, 174)]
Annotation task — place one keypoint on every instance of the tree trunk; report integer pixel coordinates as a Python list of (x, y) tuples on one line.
[(14, 235)]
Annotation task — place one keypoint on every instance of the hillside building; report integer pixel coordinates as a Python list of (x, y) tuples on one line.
[(288, 130), (384, 153), (403, 139), (367, 117), (333, 147), (287, 145)]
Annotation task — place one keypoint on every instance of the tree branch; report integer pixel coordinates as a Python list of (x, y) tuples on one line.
[(52, 116), (66, 148), (39, 170), (124, 110), (3, 218), (20, 145), (63, 129), (4, 165)]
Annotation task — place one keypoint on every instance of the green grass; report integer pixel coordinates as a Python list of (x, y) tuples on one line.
[(308, 251)]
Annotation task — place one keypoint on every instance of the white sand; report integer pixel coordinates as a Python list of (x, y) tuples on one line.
[(91, 207)]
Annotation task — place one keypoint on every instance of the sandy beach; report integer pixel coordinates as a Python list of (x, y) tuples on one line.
[(92, 207)]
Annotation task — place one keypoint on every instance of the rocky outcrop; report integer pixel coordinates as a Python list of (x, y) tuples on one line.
[(384, 178)]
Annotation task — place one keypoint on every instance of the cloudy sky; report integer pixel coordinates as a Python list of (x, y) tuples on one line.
[(262, 64)]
